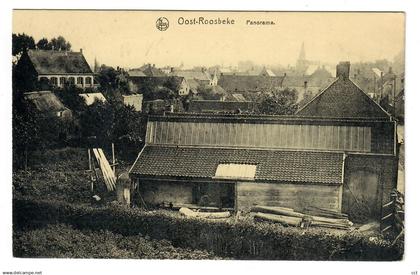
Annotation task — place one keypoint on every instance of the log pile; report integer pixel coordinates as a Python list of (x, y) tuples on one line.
[(317, 217)]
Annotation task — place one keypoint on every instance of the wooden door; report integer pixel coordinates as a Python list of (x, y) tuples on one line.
[(360, 195)]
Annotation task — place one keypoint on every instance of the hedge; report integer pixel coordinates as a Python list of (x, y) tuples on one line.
[(239, 240), (63, 241)]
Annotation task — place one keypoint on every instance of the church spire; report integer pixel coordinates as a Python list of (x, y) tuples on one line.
[(302, 54)]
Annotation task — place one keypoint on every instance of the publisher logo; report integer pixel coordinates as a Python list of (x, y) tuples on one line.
[(162, 23)]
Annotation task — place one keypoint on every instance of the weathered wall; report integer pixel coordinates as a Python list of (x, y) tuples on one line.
[(156, 192), (296, 196), (385, 167)]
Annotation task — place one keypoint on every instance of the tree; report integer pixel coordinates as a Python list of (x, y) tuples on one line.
[(59, 43), (207, 92), (69, 95), (112, 121), (278, 102), (21, 43), (43, 44), (32, 130)]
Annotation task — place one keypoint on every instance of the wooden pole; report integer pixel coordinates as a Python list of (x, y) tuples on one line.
[(90, 169), (113, 158)]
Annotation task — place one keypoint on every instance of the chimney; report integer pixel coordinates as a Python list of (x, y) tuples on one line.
[(305, 85), (172, 69), (343, 70), (390, 70)]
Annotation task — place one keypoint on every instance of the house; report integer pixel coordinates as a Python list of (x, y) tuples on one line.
[(178, 84), (91, 98), (249, 83), (149, 70), (339, 152), (135, 100), (48, 104), (58, 68), (202, 76), (217, 106), (267, 72)]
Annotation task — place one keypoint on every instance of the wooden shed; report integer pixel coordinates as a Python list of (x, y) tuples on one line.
[(339, 152)]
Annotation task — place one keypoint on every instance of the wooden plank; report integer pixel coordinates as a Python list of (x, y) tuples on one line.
[(106, 168), (285, 220), (367, 139), (98, 159)]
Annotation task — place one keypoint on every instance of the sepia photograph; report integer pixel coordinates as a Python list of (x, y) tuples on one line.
[(208, 135)]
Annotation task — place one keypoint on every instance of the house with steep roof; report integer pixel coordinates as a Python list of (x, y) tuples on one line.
[(48, 104), (339, 152), (57, 68)]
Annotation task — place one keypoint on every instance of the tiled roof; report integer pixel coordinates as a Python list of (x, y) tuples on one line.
[(58, 62), (246, 83), (272, 165), (342, 99)]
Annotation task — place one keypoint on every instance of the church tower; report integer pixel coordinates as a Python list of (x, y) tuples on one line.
[(301, 63)]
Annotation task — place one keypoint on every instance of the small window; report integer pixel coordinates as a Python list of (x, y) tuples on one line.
[(80, 80), (53, 80), (71, 80), (88, 80), (62, 80)]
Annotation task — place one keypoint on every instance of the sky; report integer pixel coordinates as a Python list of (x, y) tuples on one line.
[(130, 39)]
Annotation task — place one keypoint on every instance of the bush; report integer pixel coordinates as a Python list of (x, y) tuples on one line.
[(62, 241), (240, 240)]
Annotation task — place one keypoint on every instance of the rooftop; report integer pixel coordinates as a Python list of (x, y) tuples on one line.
[(59, 62), (271, 165)]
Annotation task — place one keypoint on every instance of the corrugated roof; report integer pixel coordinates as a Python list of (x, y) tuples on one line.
[(342, 99), (59, 62), (272, 165)]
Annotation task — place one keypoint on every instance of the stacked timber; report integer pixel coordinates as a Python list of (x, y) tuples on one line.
[(289, 217)]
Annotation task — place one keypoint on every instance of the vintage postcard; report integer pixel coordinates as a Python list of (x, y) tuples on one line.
[(208, 135)]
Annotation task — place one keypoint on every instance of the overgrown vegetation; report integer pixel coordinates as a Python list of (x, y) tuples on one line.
[(241, 239), (63, 241)]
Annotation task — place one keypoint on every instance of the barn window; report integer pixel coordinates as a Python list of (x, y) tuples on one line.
[(236, 171), (62, 80), (88, 80)]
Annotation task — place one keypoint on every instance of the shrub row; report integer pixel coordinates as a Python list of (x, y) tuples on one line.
[(240, 240), (63, 241)]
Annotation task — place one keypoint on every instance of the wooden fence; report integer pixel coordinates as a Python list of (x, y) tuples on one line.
[(393, 214)]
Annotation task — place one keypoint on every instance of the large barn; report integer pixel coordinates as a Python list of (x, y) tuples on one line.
[(338, 152)]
